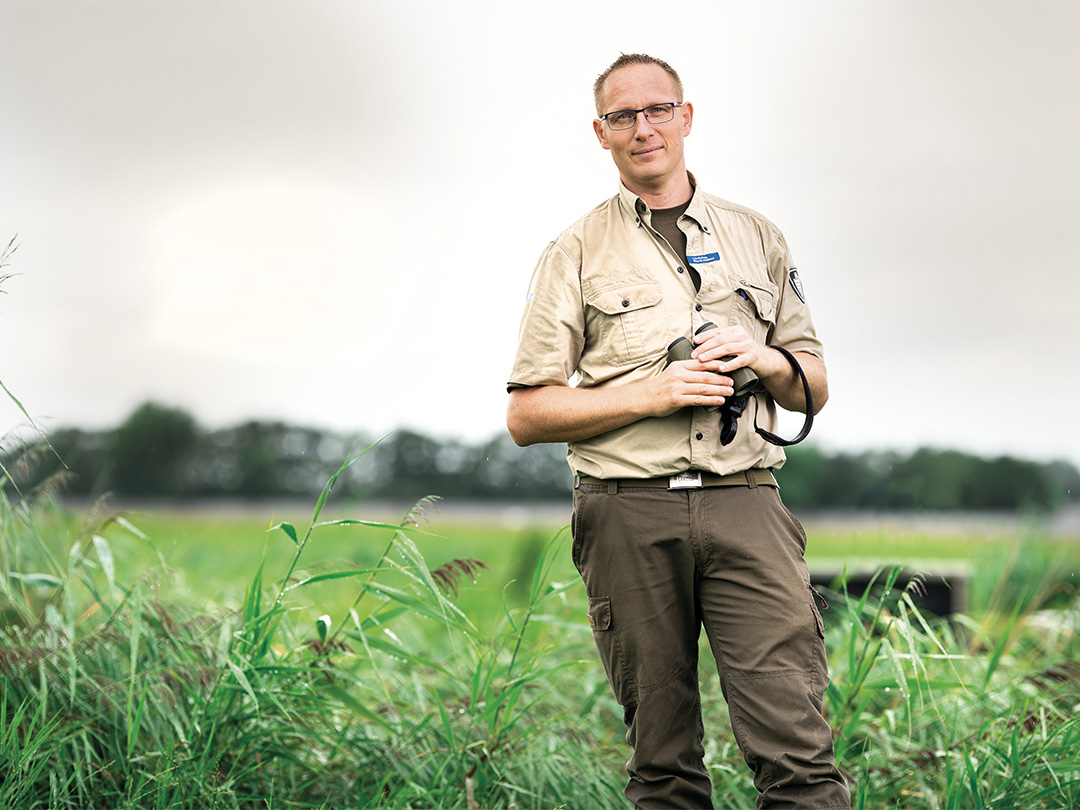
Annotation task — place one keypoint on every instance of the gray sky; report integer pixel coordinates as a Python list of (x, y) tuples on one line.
[(329, 212)]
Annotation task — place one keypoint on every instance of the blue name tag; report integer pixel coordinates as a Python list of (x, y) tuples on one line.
[(705, 258)]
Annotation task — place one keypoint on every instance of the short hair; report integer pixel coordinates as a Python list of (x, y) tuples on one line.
[(626, 60)]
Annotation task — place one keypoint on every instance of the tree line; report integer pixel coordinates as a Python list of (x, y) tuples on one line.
[(160, 451)]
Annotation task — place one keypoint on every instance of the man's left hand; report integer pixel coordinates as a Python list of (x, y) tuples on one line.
[(735, 340), (772, 368)]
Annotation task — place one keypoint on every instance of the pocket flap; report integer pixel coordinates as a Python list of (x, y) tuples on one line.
[(763, 298), (600, 612), (625, 297)]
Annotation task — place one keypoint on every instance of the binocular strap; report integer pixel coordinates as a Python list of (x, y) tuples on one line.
[(808, 422)]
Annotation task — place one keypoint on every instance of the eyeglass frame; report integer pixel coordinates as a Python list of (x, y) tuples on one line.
[(674, 106)]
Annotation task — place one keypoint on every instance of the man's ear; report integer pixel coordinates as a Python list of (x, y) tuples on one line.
[(601, 133), (687, 110)]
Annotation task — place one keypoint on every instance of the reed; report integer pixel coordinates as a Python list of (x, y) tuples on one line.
[(131, 694)]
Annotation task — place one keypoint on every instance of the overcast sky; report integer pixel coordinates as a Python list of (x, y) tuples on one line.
[(328, 213)]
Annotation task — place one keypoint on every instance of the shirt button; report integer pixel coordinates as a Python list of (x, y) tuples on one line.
[(700, 436), (679, 269), (625, 302), (697, 307)]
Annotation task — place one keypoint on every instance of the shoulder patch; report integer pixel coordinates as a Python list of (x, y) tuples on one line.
[(796, 284)]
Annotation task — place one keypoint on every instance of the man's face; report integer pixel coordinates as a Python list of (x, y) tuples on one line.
[(647, 155)]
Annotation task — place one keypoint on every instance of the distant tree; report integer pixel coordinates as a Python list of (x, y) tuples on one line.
[(932, 479), (151, 449), (1063, 479), (407, 466), (1010, 484), (801, 475), (85, 456), (844, 481), (925, 479), (259, 459), (536, 472)]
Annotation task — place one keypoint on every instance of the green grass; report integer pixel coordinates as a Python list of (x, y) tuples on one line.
[(212, 552), (210, 555), (166, 660)]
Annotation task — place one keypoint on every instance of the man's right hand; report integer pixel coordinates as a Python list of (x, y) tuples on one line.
[(559, 413), (686, 383)]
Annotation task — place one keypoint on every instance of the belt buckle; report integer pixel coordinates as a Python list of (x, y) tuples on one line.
[(685, 480)]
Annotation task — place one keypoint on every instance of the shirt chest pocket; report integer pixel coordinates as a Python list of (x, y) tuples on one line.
[(625, 321), (755, 307)]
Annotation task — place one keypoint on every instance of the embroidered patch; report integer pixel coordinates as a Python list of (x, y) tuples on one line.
[(796, 284), (704, 258)]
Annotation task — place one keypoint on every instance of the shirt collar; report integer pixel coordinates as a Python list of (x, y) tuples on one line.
[(636, 207)]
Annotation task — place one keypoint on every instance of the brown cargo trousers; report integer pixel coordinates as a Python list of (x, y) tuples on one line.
[(657, 565)]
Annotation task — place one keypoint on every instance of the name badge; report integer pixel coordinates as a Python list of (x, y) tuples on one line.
[(704, 258)]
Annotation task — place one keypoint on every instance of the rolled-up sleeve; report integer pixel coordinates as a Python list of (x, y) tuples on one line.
[(551, 336)]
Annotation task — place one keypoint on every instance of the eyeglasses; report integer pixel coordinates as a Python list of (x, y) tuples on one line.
[(656, 114)]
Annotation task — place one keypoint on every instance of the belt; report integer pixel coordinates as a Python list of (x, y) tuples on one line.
[(694, 479)]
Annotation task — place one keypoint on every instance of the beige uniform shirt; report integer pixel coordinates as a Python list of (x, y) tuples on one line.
[(609, 295)]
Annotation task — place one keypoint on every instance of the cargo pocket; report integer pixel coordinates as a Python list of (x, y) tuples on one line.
[(600, 613), (607, 644)]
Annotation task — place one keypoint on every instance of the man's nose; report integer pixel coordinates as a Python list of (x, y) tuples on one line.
[(642, 127)]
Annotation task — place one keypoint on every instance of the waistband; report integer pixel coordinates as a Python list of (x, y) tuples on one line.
[(693, 479)]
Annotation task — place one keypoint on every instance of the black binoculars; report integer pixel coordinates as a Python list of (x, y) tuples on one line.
[(744, 379)]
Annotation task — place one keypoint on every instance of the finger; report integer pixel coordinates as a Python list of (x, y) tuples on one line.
[(730, 356), (712, 349), (718, 387), (703, 400), (694, 370), (709, 378), (709, 354)]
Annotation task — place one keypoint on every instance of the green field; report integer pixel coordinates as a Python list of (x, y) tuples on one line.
[(212, 551), (216, 658)]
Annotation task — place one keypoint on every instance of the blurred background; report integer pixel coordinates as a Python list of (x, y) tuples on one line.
[(325, 214)]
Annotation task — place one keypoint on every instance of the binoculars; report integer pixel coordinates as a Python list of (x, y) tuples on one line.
[(744, 379)]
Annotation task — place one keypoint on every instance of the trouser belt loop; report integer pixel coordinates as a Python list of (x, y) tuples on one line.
[(751, 479), (613, 486)]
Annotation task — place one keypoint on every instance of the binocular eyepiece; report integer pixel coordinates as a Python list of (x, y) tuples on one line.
[(744, 379)]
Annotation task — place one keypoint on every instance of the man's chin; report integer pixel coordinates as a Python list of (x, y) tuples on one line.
[(647, 178)]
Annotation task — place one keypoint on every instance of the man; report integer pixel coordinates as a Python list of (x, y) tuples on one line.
[(672, 528)]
